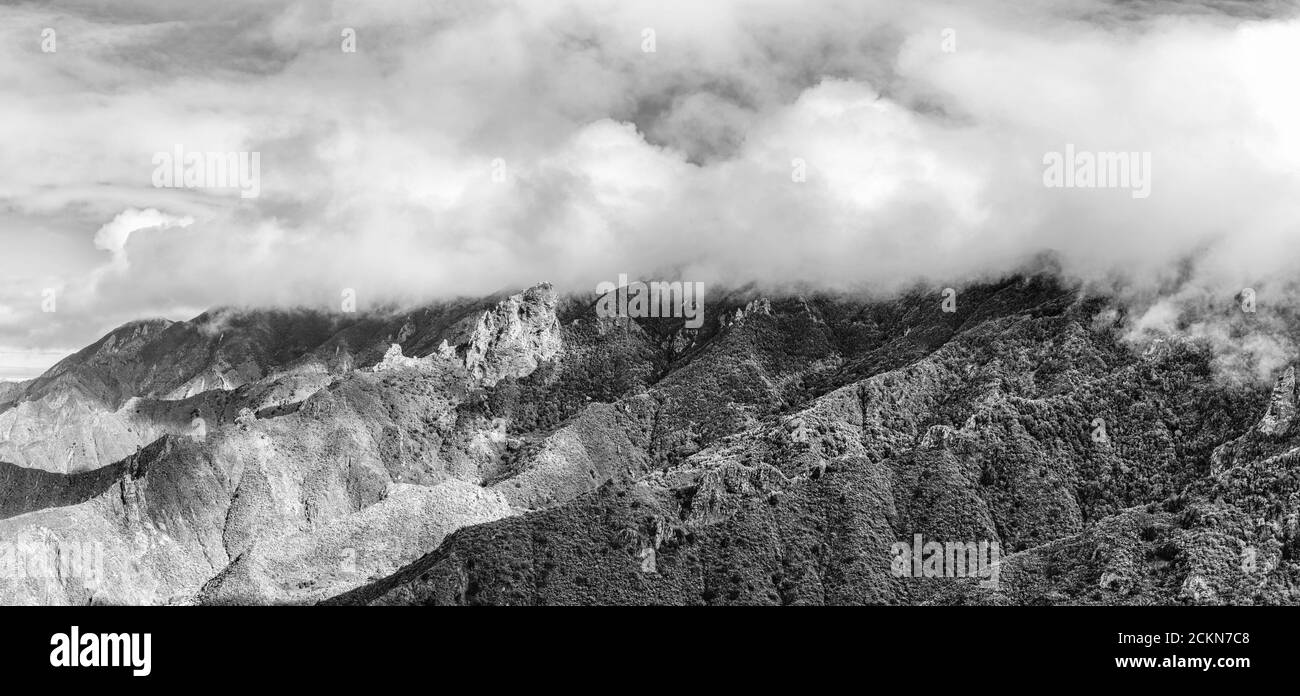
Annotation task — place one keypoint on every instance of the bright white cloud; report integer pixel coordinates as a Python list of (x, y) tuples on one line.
[(113, 235)]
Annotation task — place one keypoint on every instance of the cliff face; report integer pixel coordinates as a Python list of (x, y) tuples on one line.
[(521, 449)]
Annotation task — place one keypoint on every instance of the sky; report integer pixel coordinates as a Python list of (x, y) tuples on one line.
[(467, 146)]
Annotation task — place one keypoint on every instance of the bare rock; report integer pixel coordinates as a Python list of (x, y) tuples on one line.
[(509, 340), (1281, 411)]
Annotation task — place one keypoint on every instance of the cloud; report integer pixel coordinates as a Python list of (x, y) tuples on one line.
[(469, 146), (112, 236)]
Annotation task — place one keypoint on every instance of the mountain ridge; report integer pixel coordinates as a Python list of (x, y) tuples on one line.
[(772, 456)]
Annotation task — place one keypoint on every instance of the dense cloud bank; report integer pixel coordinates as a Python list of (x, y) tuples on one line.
[(469, 146)]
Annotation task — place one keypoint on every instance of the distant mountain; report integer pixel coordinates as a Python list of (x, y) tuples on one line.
[(147, 378), (519, 449), (271, 425)]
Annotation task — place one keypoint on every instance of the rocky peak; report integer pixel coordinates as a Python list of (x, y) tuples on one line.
[(509, 340)]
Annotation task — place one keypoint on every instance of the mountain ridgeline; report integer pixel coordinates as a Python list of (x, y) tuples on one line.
[(521, 449)]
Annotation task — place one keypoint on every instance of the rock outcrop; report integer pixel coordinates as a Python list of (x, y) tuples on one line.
[(1280, 416), (509, 340)]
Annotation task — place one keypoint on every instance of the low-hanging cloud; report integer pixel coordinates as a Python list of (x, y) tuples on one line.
[(470, 146)]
